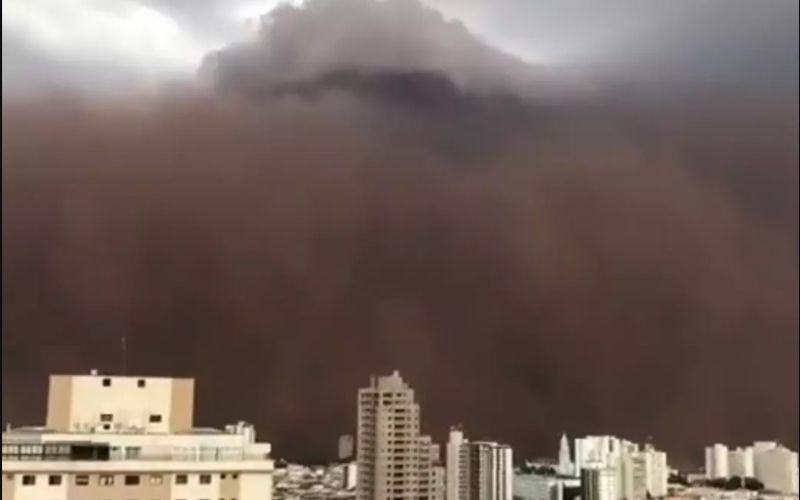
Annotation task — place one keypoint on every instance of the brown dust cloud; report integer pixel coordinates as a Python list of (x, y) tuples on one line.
[(534, 256)]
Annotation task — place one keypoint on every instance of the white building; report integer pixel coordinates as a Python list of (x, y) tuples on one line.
[(641, 473), (599, 482), (540, 487), (565, 465), (439, 474), (656, 472), (349, 476), (457, 481), (741, 462), (393, 458), (491, 471), (119, 438), (345, 448), (480, 470), (717, 461), (777, 469), (432, 472), (598, 451), (759, 446), (772, 464)]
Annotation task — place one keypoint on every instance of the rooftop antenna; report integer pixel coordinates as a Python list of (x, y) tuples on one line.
[(124, 355)]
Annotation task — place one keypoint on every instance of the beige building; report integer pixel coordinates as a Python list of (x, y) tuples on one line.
[(131, 438), (394, 461)]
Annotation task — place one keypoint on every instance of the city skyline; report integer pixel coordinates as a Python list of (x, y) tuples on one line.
[(556, 454), (121, 436)]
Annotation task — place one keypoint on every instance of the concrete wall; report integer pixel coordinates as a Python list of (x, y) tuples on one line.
[(150, 487), (41, 490), (255, 487), (76, 403)]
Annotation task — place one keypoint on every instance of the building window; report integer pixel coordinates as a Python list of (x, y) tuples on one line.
[(106, 480), (131, 480), (54, 480), (156, 479), (155, 418), (235, 476), (133, 452), (106, 382), (106, 417), (205, 478), (223, 476), (181, 479), (28, 480), (106, 427), (82, 480), (141, 383)]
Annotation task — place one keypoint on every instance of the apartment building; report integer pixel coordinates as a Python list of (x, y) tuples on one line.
[(777, 468), (394, 460), (768, 461), (131, 438), (599, 482), (717, 461), (431, 484), (478, 470)]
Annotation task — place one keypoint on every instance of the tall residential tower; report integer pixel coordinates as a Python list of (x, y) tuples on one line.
[(394, 460)]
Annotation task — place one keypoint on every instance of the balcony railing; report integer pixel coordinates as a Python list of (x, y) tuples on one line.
[(144, 456)]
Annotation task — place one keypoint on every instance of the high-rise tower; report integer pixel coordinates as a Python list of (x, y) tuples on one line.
[(565, 466), (393, 459)]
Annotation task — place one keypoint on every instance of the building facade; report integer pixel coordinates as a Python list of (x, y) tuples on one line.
[(777, 469), (597, 451), (599, 482), (774, 465), (349, 476), (105, 442), (717, 461), (479, 470), (565, 465), (741, 462), (457, 481), (431, 471), (528, 486), (641, 473), (394, 459), (345, 448)]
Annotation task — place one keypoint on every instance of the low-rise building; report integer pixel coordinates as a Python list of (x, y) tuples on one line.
[(106, 441)]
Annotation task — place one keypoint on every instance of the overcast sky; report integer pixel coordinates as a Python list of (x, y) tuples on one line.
[(129, 43)]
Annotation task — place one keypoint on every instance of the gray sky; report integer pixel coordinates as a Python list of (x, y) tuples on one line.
[(130, 43)]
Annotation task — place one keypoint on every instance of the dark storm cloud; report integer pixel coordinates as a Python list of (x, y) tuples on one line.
[(622, 264), (298, 44), (684, 39), (712, 40)]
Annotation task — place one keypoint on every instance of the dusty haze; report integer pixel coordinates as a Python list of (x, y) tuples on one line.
[(619, 259)]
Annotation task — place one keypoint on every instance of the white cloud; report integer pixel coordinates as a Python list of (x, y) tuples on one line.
[(111, 35)]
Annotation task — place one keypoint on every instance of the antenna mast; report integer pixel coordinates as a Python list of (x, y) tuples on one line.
[(124, 355)]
